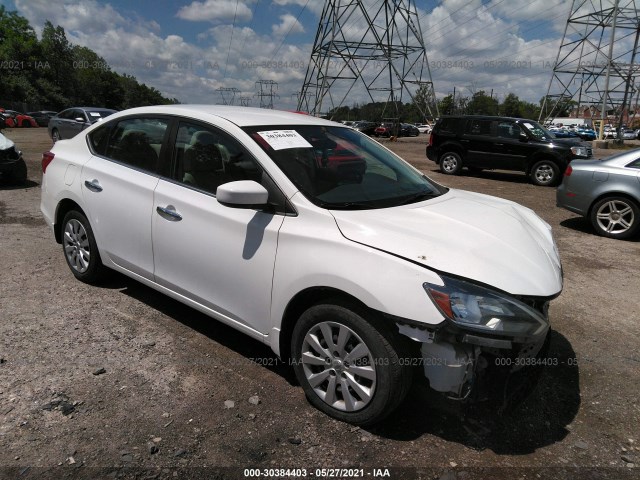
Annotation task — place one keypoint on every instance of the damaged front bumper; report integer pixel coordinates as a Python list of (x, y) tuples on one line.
[(467, 365)]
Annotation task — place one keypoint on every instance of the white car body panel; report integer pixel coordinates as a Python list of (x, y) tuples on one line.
[(217, 256), (120, 213), (478, 231)]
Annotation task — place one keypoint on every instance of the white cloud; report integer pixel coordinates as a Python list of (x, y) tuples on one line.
[(215, 10), (288, 24)]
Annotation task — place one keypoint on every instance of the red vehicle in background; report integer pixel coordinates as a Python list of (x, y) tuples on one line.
[(13, 119)]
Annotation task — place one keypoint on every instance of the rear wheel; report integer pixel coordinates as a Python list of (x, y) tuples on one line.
[(26, 124), (348, 369), (80, 249), (450, 163), (545, 173), (615, 217)]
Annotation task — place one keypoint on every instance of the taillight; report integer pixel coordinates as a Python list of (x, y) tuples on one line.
[(47, 158), (431, 139), (568, 171)]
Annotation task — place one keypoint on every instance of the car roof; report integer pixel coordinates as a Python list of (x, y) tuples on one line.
[(241, 116)]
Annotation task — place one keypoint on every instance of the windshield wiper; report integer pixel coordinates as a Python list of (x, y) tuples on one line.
[(416, 197), (346, 206)]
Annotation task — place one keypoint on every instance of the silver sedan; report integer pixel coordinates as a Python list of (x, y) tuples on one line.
[(606, 191)]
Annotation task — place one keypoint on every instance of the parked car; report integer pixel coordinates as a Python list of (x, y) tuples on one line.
[(606, 191), (368, 128), (42, 117), (68, 123), (502, 143), (629, 134), (14, 119), (424, 128), (563, 133), (587, 134), (386, 130), (354, 280), (408, 130), (13, 168)]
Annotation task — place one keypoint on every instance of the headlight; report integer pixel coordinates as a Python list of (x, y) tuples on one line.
[(474, 307), (579, 151)]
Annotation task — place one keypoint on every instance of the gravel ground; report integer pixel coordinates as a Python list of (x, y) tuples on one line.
[(118, 381)]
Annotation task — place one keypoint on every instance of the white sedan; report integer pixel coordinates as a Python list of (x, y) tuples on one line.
[(314, 239), (424, 128)]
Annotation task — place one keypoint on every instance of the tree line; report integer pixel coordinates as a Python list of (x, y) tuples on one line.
[(478, 103), (51, 73)]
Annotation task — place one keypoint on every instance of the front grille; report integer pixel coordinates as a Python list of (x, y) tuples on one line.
[(589, 152)]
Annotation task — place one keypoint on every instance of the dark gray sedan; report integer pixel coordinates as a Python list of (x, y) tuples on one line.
[(68, 123), (605, 191)]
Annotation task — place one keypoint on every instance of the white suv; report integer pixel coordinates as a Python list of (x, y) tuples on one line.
[(313, 238)]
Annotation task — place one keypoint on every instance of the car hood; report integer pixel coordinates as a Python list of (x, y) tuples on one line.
[(570, 141), (478, 237)]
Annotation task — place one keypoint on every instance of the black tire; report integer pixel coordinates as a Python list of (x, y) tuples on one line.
[(545, 173), (80, 249), (55, 135), (18, 175), (615, 217), (450, 163), (26, 124), (387, 378)]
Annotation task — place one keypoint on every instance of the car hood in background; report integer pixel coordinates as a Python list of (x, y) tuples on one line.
[(479, 237)]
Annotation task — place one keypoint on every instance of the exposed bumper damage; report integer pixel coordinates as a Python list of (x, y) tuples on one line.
[(465, 365)]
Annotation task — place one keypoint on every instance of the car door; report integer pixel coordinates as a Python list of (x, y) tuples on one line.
[(511, 149), (220, 257), (118, 184), (478, 142)]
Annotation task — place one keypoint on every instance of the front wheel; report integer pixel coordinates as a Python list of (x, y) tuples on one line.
[(348, 369), (450, 163), (615, 217), (545, 173), (55, 135), (80, 248)]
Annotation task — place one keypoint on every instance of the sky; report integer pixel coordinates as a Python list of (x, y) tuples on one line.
[(189, 50)]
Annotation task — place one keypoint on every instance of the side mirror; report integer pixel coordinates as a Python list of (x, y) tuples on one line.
[(242, 194), (79, 119), (523, 137)]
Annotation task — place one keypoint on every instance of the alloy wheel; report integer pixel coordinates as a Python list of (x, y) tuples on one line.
[(615, 217), (339, 366), (76, 246)]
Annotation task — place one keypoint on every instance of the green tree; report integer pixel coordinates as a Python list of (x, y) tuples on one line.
[(482, 104), (511, 106)]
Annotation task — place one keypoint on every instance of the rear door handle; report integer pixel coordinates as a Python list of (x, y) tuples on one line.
[(93, 185), (169, 213)]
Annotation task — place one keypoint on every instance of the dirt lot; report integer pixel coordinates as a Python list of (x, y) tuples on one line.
[(118, 381)]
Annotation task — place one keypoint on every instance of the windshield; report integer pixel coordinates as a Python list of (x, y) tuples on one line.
[(537, 130), (340, 168)]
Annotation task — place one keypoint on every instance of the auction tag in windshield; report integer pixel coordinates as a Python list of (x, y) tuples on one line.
[(281, 139)]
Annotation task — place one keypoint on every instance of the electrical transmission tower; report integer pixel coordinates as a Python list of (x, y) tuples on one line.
[(367, 49), (266, 92), (228, 94), (596, 66), (245, 101)]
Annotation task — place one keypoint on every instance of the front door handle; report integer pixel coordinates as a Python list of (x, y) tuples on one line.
[(169, 212), (93, 185)]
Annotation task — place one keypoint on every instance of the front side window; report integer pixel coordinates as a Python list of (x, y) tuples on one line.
[(206, 158), (340, 168), (135, 142), (507, 129)]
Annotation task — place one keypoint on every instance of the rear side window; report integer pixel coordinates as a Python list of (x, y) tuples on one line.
[(478, 127), (448, 125), (135, 142)]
